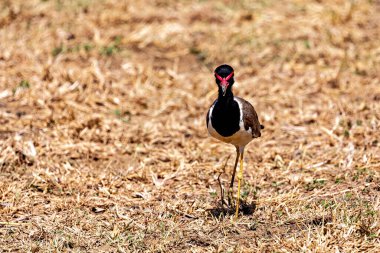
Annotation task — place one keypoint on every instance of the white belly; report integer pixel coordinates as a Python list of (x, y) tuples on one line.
[(239, 139)]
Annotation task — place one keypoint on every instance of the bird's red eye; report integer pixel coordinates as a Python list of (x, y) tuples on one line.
[(219, 77), (229, 76)]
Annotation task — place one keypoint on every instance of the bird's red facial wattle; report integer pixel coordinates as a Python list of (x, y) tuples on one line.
[(224, 81)]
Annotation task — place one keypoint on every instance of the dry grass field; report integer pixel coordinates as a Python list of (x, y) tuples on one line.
[(103, 140)]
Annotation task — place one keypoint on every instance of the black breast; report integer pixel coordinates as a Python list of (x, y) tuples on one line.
[(225, 117)]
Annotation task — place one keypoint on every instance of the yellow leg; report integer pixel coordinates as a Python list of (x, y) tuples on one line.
[(240, 177)]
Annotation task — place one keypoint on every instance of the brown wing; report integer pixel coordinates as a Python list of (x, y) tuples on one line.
[(250, 118)]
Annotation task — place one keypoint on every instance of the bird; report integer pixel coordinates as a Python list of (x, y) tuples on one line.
[(232, 120)]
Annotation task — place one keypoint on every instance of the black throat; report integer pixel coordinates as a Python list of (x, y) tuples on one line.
[(225, 117)]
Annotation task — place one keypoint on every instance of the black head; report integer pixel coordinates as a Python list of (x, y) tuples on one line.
[(224, 77)]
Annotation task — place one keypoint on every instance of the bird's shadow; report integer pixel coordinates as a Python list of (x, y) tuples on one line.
[(245, 208)]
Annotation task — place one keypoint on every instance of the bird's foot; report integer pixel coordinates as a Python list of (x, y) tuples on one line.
[(245, 207)]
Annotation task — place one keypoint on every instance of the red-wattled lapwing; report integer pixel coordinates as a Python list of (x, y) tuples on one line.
[(232, 120)]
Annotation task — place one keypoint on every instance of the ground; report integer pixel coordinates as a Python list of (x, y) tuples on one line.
[(104, 146)]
